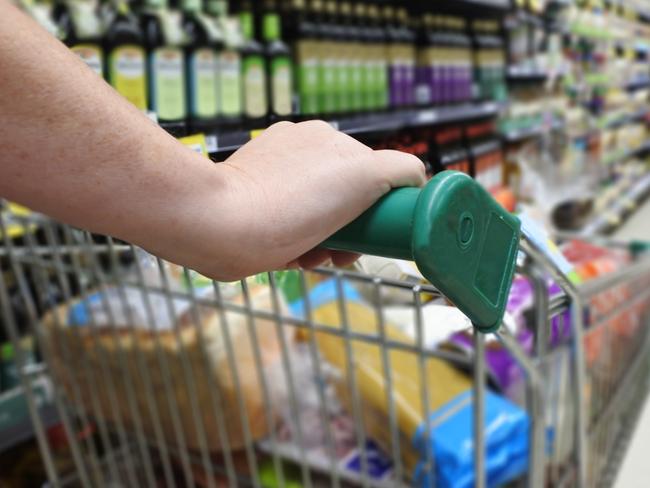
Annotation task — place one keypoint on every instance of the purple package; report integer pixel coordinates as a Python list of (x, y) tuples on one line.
[(395, 73), (423, 85), (503, 369), (408, 85), (436, 87)]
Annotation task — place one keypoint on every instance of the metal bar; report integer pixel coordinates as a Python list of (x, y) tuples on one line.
[(232, 364), (172, 403), (351, 367), (537, 414), (578, 352), (189, 376), (126, 374), (93, 379), (213, 386), (390, 398), (144, 374), (30, 306), (478, 410), (39, 430), (629, 273), (456, 358), (430, 467), (107, 378), (320, 388), (41, 282), (286, 365)]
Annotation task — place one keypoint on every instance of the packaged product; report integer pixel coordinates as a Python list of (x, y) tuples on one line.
[(449, 438), (102, 343)]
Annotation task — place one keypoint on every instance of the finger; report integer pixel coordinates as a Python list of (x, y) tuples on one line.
[(400, 169), (344, 258), (314, 258)]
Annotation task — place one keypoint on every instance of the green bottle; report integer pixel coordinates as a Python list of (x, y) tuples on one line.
[(256, 105), (125, 58), (81, 31), (304, 39), (229, 65), (164, 37), (279, 65)]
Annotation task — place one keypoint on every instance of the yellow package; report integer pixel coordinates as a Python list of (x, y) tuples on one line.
[(445, 382)]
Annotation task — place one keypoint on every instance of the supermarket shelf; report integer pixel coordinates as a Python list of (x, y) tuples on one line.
[(623, 207), (376, 122), (521, 73), (514, 136), (495, 4)]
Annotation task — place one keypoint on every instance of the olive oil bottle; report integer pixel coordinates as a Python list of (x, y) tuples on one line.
[(125, 58), (163, 39)]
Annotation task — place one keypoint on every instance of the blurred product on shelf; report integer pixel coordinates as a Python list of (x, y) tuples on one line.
[(163, 40), (125, 57)]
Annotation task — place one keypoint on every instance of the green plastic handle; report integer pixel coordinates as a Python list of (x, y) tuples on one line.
[(460, 238)]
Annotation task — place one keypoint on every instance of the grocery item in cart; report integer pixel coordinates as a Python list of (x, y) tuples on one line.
[(448, 400), (111, 325)]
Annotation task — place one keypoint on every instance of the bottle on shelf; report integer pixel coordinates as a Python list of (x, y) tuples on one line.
[(328, 47), (204, 41), (303, 37), (365, 37), (256, 103), (164, 39), (379, 60), (347, 80), (407, 55), (279, 65), (125, 59), (395, 66), (335, 32), (229, 71), (81, 30)]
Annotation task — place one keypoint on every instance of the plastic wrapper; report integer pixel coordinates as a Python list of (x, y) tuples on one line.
[(101, 345), (506, 435)]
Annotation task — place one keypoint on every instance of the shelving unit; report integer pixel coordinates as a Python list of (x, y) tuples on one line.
[(374, 122)]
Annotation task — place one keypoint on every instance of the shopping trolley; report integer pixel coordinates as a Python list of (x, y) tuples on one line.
[(162, 377)]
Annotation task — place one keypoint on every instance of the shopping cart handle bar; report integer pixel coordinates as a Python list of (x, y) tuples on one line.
[(461, 239)]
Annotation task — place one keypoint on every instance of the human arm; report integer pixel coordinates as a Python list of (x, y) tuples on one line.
[(72, 148)]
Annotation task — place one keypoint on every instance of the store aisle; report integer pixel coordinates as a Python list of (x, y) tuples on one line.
[(635, 470)]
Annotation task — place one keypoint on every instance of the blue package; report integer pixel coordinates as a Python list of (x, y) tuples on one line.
[(452, 443), (323, 293), (79, 315)]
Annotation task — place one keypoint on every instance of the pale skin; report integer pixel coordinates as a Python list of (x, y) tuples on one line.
[(72, 148)]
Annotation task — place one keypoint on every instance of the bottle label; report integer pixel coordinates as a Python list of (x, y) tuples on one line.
[(91, 55), (203, 83), (308, 78), (230, 90), (255, 102), (327, 85), (342, 84), (356, 83), (381, 81), (281, 85), (126, 69), (167, 83)]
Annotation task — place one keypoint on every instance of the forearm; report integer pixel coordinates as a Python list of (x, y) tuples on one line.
[(74, 149)]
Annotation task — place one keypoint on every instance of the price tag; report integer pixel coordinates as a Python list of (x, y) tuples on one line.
[(211, 143), (427, 116), (256, 133), (196, 143)]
